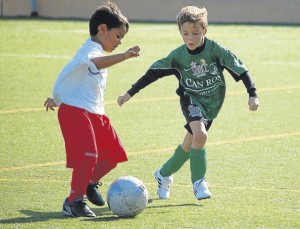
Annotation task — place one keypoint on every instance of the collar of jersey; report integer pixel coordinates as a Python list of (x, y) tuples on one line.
[(198, 49)]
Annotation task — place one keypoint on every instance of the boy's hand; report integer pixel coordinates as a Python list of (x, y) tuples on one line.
[(123, 99), (253, 103), (49, 104), (132, 52)]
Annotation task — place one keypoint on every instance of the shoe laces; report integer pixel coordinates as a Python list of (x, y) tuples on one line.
[(201, 184), (80, 201), (166, 182), (96, 185)]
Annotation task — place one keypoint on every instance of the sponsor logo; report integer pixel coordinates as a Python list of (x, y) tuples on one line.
[(202, 68), (87, 154), (91, 73), (206, 80), (194, 111), (211, 82), (199, 69)]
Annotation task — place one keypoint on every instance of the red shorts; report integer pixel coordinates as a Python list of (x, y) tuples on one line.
[(88, 137)]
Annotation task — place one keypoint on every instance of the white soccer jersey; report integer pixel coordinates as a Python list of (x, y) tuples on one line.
[(80, 83)]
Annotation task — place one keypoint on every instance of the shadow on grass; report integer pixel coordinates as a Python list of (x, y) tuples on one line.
[(33, 216), (103, 214), (112, 217), (171, 205)]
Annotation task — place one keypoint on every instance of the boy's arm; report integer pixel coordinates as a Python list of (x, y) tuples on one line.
[(149, 77), (50, 104), (250, 86), (239, 72), (107, 61)]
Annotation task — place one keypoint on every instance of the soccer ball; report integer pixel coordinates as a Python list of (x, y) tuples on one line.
[(127, 196)]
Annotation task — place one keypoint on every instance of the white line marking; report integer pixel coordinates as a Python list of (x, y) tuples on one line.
[(170, 148), (137, 101), (211, 186), (47, 56)]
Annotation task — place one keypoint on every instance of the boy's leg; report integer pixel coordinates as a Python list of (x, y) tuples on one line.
[(197, 164), (110, 148), (80, 145), (175, 162), (74, 205), (164, 175), (101, 169), (80, 179), (197, 150), (198, 171), (81, 153), (198, 160), (110, 153)]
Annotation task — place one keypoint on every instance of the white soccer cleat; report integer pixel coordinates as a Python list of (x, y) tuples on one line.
[(201, 189), (164, 183)]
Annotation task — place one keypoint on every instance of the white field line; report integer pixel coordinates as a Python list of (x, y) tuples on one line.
[(39, 56), (67, 57), (137, 101), (170, 148), (84, 31), (211, 186), (279, 63)]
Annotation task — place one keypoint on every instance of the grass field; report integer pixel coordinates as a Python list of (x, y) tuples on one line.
[(253, 157)]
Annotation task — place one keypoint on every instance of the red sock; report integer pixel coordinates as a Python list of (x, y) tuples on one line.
[(80, 178), (101, 169)]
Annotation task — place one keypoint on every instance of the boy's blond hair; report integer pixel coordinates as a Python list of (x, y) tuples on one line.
[(192, 14)]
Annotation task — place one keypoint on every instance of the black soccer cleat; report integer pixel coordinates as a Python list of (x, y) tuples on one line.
[(93, 194), (77, 208)]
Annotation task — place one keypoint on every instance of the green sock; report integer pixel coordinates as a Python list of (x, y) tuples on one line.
[(175, 162), (197, 164)]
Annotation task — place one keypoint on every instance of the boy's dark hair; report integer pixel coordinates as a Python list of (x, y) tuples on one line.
[(108, 14)]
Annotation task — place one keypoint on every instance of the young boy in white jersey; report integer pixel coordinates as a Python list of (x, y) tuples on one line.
[(198, 65), (92, 145)]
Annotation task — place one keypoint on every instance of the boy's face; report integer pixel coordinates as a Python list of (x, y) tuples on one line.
[(193, 34), (110, 38)]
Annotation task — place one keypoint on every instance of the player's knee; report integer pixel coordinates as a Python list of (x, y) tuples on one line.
[(200, 139)]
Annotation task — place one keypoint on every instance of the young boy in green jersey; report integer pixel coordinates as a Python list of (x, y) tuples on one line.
[(198, 65)]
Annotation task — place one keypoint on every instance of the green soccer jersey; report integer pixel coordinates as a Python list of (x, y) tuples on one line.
[(201, 75)]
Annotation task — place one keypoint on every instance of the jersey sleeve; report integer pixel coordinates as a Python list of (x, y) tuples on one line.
[(149, 77), (229, 61), (93, 54), (157, 70), (249, 84), (235, 67), (164, 63)]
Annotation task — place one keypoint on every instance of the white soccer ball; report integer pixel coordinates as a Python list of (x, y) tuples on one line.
[(127, 196)]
